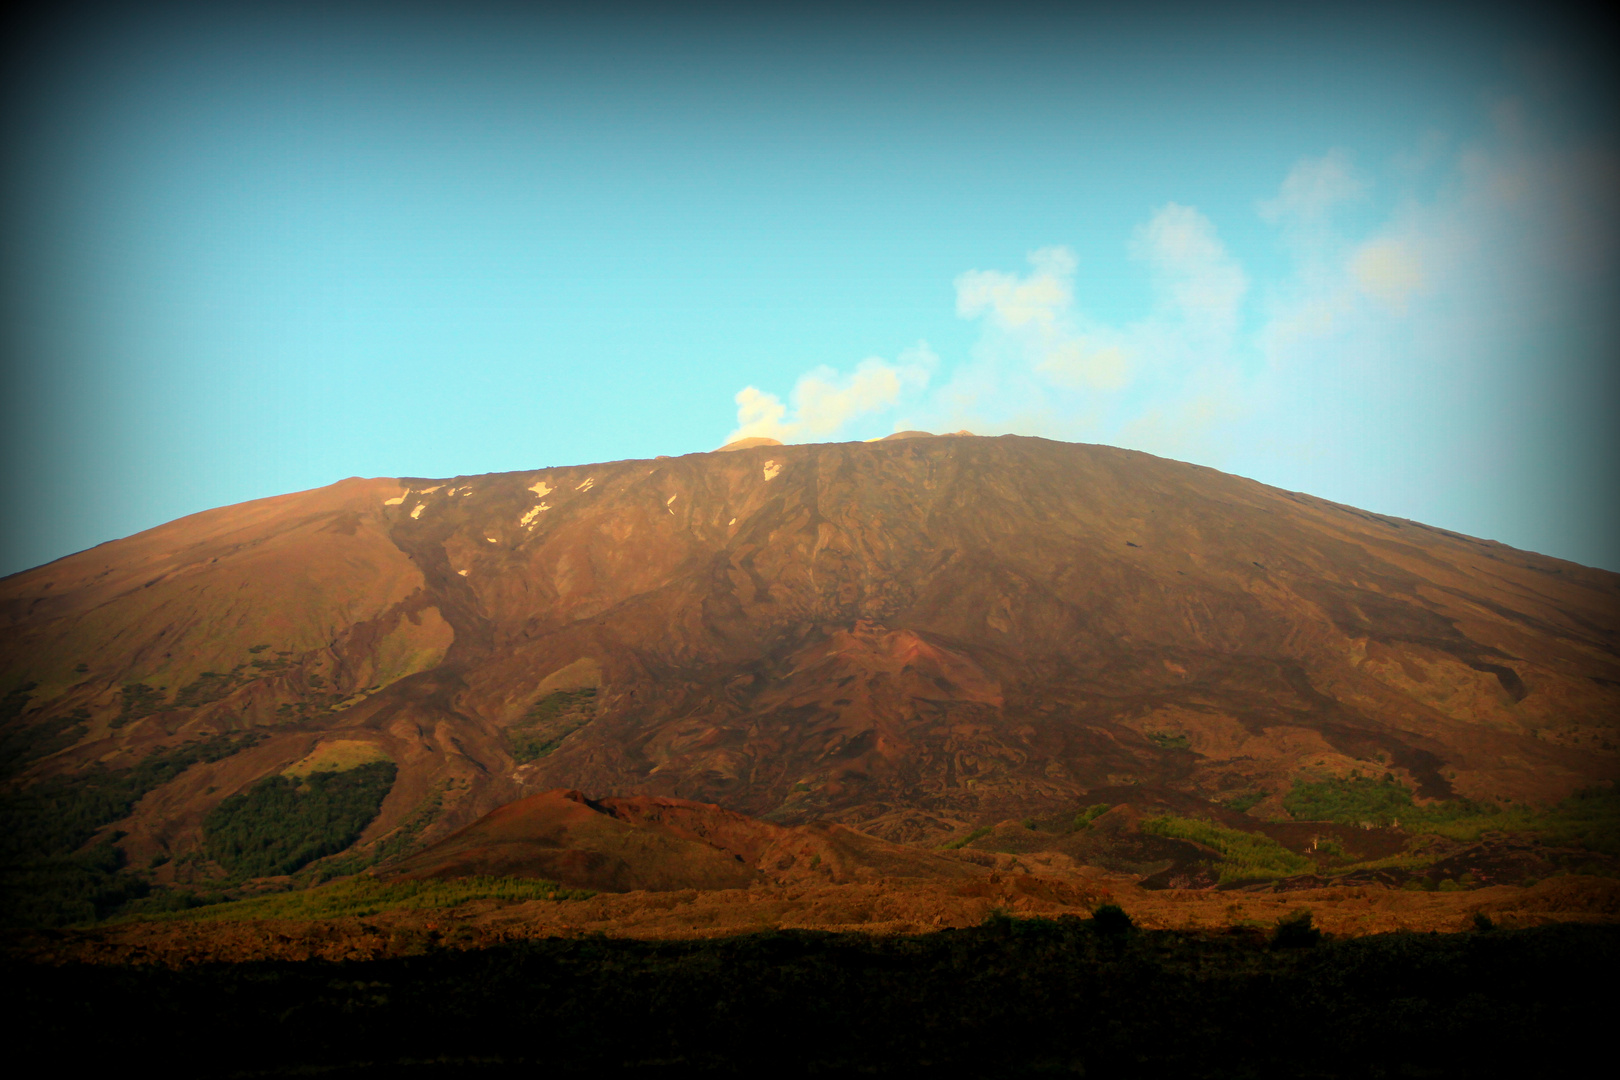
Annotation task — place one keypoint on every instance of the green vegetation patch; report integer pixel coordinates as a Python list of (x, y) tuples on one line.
[(47, 879), (1244, 856), (964, 841), (207, 688), (1243, 802), (1588, 819), (22, 744), (396, 845), (1351, 801), (1084, 818), (552, 719), (360, 896), (284, 823), (139, 701), (1168, 740)]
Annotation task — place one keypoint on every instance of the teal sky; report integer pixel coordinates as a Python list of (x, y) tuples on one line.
[(1370, 256)]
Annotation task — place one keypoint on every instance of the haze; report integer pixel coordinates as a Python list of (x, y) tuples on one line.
[(1370, 257)]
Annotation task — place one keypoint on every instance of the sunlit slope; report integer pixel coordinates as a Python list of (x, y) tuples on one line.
[(902, 635)]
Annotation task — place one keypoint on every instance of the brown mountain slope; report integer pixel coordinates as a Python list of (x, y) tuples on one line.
[(659, 844), (907, 636)]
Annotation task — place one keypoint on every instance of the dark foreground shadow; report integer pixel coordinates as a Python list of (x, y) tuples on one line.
[(1010, 998)]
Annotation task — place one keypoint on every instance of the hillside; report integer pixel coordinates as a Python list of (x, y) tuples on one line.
[(910, 638)]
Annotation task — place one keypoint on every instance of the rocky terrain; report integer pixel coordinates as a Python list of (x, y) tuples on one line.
[(913, 640)]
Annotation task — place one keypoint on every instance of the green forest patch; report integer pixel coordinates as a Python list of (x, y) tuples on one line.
[(283, 823), (48, 879)]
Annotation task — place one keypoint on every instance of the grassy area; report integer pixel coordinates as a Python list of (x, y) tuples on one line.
[(361, 896), (1243, 856), (552, 719), (964, 841), (1589, 819)]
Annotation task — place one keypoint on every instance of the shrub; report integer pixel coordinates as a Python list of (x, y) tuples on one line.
[(1295, 931), (1483, 923), (1111, 920)]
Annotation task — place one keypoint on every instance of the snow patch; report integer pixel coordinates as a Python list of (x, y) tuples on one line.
[(541, 488), (418, 511), (590, 481), (527, 520), (463, 573), (396, 500), (772, 468)]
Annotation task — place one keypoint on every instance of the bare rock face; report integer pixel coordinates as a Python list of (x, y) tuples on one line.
[(906, 636)]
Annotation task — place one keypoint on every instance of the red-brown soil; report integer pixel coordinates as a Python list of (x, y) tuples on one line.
[(660, 844), (908, 638)]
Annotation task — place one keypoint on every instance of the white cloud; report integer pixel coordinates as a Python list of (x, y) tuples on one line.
[(825, 401), (1313, 188), (1035, 317), (1388, 269), (1203, 285)]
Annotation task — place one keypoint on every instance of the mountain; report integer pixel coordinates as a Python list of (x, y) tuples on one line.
[(908, 637)]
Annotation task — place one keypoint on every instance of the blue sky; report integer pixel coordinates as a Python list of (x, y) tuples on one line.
[(1371, 256)]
